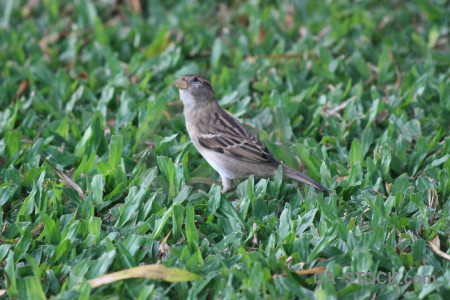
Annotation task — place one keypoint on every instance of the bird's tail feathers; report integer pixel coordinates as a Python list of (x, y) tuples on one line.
[(297, 175)]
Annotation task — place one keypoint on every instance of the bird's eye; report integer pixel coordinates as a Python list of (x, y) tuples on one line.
[(195, 79)]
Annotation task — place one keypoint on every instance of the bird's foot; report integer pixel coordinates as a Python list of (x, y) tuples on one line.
[(227, 184)]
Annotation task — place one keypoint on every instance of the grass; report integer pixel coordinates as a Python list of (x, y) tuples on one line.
[(357, 93)]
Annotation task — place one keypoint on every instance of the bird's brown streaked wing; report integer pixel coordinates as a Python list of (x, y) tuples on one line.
[(228, 136)]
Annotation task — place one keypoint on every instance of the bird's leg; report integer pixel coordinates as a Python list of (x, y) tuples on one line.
[(227, 184)]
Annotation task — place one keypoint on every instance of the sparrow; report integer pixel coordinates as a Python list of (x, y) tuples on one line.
[(226, 144)]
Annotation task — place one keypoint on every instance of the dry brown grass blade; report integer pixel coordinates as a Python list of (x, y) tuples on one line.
[(255, 236), (335, 111), (45, 40), (341, 178), (398, 81), (33, 232), (136, 5), (305, 272), (156, 271), (164, 247), (28, 8), (66, 178), (435, 245), (22, 87), (312, 271), (432, 198), (278, 57), (204, 180)]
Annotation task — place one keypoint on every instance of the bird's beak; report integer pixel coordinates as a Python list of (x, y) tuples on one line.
[(180, 84)]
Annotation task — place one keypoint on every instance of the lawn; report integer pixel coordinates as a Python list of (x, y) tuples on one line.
[(98, 174)]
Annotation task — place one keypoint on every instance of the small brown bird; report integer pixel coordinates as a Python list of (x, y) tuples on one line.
[(226, 144)]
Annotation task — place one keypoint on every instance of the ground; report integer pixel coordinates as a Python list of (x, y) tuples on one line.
[(98, 175)]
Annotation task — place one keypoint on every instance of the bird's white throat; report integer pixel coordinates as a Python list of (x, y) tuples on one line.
[(187, 98)]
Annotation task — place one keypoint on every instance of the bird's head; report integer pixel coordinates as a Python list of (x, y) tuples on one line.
[(195, 90)]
